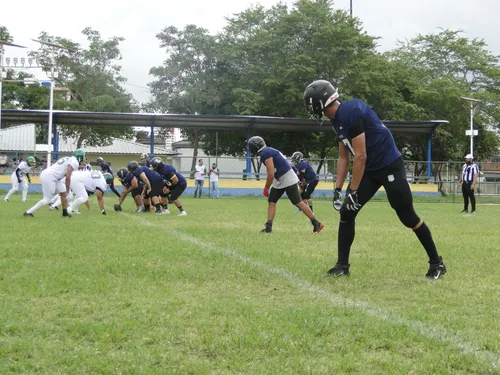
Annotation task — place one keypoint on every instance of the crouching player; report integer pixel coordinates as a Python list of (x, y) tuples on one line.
[(133, 186), (85, 183), (175, 183), (307, 176), (153, 185)]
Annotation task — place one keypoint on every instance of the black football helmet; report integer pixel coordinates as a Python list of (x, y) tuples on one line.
[(317, 96), (157, 164), (255, 144), (99, 160), (297, 157), (132, 166), (122, 173)]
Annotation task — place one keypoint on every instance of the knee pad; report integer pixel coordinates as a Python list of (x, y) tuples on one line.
[(347, 216), (408, 216)]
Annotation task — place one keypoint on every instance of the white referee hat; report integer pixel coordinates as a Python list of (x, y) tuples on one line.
[(469, 156)]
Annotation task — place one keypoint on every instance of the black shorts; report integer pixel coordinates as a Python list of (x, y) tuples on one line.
[(156, 189), (292, 193), (137, 191), (308, 189), (393, 178), (177, 191)]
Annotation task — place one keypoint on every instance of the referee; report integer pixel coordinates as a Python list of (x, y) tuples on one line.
[(470, 172)]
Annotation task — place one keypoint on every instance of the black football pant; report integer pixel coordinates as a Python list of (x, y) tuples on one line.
[(468, 193)]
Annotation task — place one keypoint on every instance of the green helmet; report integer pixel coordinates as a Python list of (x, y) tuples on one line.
[(108, 177), (79, 155), (31, 161)]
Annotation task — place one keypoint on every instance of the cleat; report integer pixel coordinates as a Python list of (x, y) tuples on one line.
[(339, 270), (268, 228), (6, 200), (436, 270), (464, 211), (139, 209), (53, 208), (27, 214), (183, 213), (165, 212), (473, 212), (317, 227), (158, 212), (298, 212)]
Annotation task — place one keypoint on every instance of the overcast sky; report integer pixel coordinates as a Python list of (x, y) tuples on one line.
[(139, 22)]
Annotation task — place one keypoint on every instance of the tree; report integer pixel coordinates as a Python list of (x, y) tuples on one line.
[(5, 36), (92, 77)]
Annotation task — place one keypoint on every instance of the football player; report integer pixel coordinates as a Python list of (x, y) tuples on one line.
[(282, 179), (105, 168), (131, 185), (85, 183), (153, 184), (57, 178), (377, 162), (145, 161), (307, 176), (18, 178), (175, 183)]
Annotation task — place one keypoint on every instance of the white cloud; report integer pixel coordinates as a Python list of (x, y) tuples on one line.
[(139, 22)]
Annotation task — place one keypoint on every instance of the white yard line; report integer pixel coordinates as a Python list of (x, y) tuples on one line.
[(490, 358)]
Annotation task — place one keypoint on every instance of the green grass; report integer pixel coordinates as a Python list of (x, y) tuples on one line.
[(208, 294)]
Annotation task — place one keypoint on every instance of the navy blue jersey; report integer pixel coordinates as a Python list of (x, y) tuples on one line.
[(380, 147), (281, 165), (151, 175), (106, 168), (127, 181), (168, 172), (309, 175)]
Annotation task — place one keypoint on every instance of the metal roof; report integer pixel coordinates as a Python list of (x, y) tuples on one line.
[(22, 138), (210, 122)]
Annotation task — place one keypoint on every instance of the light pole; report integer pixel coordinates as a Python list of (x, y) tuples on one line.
[(2, 73), (471, 132), (53, 74), (350, 8)]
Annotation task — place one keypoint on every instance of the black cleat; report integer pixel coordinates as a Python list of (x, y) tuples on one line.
[(339, 270), (317, 227), (464, 212), (268, 228), (28, 215), (436, 270)]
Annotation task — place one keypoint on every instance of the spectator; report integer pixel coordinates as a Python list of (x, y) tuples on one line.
[(214, 181), (200, 172), (4, 162), (470, 173), (43, 163)]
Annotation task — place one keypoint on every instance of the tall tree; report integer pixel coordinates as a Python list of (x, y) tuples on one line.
[(92, 77)]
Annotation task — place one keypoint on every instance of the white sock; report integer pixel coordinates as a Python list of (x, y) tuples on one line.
[(25, 193), (9, 194), (37, 206), (76, 203)]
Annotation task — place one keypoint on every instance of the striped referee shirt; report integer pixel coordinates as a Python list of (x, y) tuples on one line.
[(468, 171)]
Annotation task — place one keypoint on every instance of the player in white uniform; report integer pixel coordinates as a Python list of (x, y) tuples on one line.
[(57, 178), (18, 177), (84, 183)]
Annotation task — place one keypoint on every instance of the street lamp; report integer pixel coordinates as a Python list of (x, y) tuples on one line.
[(53, 74), (4, 74), (471, 132)]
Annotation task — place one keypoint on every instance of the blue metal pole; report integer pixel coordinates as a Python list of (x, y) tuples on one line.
[(55, 143), (429, 142), (152, 138)]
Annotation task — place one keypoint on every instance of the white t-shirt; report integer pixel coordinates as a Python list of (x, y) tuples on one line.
[(214, 176), (199, 170), (59, 168), (4, 159), (90, 180), (24, 168)]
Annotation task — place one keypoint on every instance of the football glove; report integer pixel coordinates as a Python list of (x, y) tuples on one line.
[(351, 200), (265, 192), (337, 199)]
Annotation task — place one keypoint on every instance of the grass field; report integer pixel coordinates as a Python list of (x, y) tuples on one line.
[(208, 294)]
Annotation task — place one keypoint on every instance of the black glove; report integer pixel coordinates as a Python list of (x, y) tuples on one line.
[(351, 200), (337, 199)]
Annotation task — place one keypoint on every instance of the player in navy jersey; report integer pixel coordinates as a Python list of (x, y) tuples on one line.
[(377, 162), (131, 185), (282, 179), (153, 185), (105, 168), (175, 183), (307, 176)]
